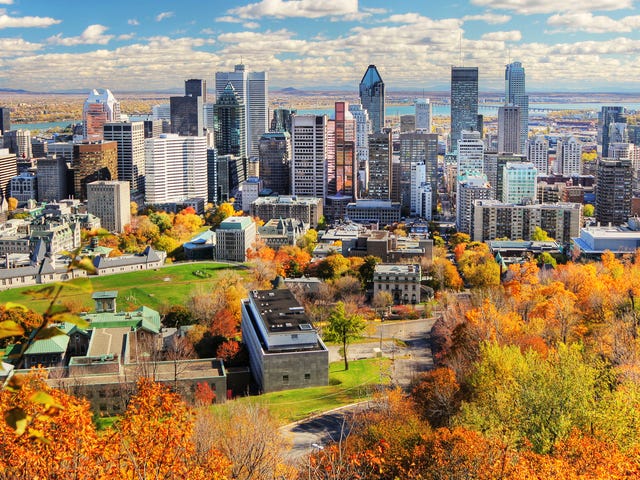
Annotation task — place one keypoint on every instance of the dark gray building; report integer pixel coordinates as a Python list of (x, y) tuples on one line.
[(274, 153), (187, 113), (5, 119), (416, 148), (284, 348), (372, 97), (607, 116), (380, 153), (464, 102), (230, 123), (614, 181)]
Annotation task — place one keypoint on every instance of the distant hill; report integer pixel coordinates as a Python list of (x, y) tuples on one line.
[(13, 90), (292, 91)]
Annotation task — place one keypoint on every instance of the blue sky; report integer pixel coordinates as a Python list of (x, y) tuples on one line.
[(48, 45)]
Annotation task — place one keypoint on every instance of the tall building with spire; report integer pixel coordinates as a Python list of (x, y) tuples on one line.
[(515, 94), (372, 97), (464, 102), (99, 108), (253, 90), (230, 123)]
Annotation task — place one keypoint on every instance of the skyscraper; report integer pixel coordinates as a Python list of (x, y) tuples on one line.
[(253, 90), (372, 97), (342, 167), (309, 155), (187, 112), (99, 108), (568, 157), (380, 173), (93, 161), (519, 183), (613, 191), (275, 161), (538, 153), (110, 202), (5, 119), (509, 126), (608, 115), (515, 94), (18, 142), (363, 129), (8, 170), (130, 139), (464, 102), (176, 169), (416, 148), (470, 154), (230, 123)]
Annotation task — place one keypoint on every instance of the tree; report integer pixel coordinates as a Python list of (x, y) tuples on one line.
[(344, 328), (539, 235), (458, 238), (332, 267), (588, 210), (309, 240), (382, 300), (222, 211), (367, 269), (437, 396), (12, 204)]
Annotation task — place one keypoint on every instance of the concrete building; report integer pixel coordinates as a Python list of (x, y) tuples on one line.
[(380, 171), (234, 237), (383, 212), (470, 153), (418, 148), (308, 210), (383, 244), (372, 97), (284, 348), (130, 138), (568, 157), (423, 115), (24, 187), (614, 181), (62, 150), (607, 116), (509, 129), (593, 241), (5, 120), (187, 112), (537, 150), (424, 205), (363, 129), (93, 161), (8, 170), (282, 231), (418, 178), (250, 189), (51, 174), (519, 183), (402, 282), (309, 155), (176, 169), (470, 188), (99, 108), (494, 164), (464, 103), (407, 123), (18, 142), (494, 219), (111, 203), (274, 151), (253, 90)]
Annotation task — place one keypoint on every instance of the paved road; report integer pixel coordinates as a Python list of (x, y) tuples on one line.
[(407, 362)]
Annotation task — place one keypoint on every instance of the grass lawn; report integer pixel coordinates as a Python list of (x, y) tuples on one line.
[(152, 288), (345, 387)]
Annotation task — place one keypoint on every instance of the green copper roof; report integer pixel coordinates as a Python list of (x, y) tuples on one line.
[(57, 344)]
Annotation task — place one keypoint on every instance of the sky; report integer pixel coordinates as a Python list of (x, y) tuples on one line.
[(153, 45)]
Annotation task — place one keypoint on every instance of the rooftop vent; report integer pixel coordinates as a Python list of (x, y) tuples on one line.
[(305, 326)]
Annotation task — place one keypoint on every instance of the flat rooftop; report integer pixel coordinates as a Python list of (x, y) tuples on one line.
[(396, 269), (280, 311)]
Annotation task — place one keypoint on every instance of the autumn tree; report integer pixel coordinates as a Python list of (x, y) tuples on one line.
[(437, 396), (540, 235), (344, 328)]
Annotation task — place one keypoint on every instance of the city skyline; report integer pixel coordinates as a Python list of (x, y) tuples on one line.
[(304, 44)]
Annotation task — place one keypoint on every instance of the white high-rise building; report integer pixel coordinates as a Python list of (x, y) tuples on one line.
[(309, 155), (18, 142), (619, 151), (519, 183), (418, 179), (423, 205), (209, 116), (176, 168), (470, 153), (423, 115), (253, 89), (568, 157), (99, 108), (538, 153), (130, 138), (470, 188), (363, 129), (111, 203)]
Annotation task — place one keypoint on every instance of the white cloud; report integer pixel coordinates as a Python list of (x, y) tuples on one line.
[(26, 22), (251, 25), (510, 36), (161, 16), (6, 2), (527, 7), (10, 46), (229, 19), (297, 8), (126, 36), (587, 22), (133, 21), (491, 18), (92, 35), (208, 31)]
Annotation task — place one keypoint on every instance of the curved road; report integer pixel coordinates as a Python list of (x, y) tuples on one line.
[(407, 361)]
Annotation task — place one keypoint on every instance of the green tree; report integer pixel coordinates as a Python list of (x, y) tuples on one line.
[(309, 240), (539, 235), (545, 258), (458, 238), (333, 266), (344, 328), (367, 268), (588, 210)]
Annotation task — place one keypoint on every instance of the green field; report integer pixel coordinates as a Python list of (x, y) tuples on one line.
[(152, 288), (345, 387)]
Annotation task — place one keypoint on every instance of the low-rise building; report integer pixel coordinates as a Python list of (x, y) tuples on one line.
[(284, 348), (279, 232), (234, 237), (402, 281), (149, 259), (593, 241), (383, 212), (309, 210)]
